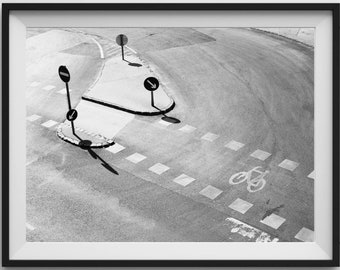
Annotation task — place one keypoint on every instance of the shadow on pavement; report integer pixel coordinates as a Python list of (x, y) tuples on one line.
[(166, 118), (133, 64)]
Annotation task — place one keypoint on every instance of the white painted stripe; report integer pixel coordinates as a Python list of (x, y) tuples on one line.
[(159, 168), (49, 123), (289, 165), (135, 158), (100, 48), (132, 50), (184, 180), (234, 145), (49, 87), (209, 137), (260, 154), (63, 91), (210, 192), (305, 235), (34, 84), (312, 175), (187, 129), (273, 221), (33, 117), (240, 205), (248, 231), (30, 227), (164, 123)]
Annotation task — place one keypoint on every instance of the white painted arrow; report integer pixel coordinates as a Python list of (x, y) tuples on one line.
[(152, 85)]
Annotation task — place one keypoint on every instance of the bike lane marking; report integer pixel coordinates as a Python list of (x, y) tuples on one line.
[(260, 154), (240, 205), (184, 180), (211, 192), (210, 137), (158, 168), (273, 221), (305, 235), (289, 165), (234, 145)]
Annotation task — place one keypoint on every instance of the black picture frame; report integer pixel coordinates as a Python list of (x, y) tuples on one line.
[(9, 7)]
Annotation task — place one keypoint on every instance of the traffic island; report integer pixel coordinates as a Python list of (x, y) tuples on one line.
[(121, 87), (64, 132)]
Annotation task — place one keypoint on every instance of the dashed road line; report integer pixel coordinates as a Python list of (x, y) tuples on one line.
[(311, 175), (159, 168), (234, 145), (273, 221), (260, 154), (184, 180), (187, 129), (33, 117), (305, 235), (49, 123), (115, 148), (48, 87), (210, 137), (240, 205), (135, 158), (210, 192), (289, 165), (30, 227)]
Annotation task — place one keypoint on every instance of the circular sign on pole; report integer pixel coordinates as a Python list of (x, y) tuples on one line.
[(121, 40), (72, 115), (64, 74), (151, 84)]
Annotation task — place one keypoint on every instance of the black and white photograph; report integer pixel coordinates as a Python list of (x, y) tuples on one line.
[(170, 134)]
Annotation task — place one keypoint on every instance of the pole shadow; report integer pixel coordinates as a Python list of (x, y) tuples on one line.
[(166, 118), (133, 64)]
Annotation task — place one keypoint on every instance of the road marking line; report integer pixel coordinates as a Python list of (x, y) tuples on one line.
[(209, 137), (33, 117), (312, 175), (234, 145), (240, 206), (135, 158), (187, 129), (260, 154), (30, 227), (49, 123), (159, 168), (131, 49), (49, 87), (115, 148), (305, 235), (183, 180), (63, 91), (164, 123), (248, 231), (210, 192), (100, 48), (34, 84), (289, 165), (273, 221)]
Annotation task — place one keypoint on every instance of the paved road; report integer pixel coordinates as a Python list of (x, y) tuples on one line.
[(233, 87)]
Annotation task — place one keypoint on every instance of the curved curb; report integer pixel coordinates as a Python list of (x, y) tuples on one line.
[(110, 105), (105, 144)]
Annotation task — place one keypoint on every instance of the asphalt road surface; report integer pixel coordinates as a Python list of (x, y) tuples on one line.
[(244, 99)]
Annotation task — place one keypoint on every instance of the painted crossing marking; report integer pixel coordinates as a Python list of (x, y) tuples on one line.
[(49, 123), (184, 180), (312, 175), (248, 231), (273, 221), (48, 87), (289, 165), (209, 137), (164, 123), (63, 91), (260, 154), (210, 192), (100, 47), (240, 205), (132, 50), (187, 129), (33, 117), (115, 148), (30, 227), (136, 158), (305, 235), (34, 84), (159, 168), (234, 145)]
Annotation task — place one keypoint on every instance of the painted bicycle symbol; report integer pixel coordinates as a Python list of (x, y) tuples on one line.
[(253, 184)]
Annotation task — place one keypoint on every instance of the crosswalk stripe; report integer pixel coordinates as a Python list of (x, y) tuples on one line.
[(273, 221), (49, 123), (289, 165), (33, 117)]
